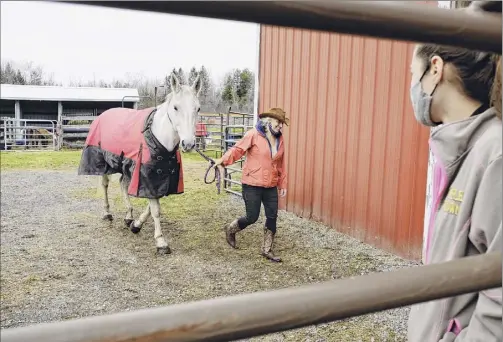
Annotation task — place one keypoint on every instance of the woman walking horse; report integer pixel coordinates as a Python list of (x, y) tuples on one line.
[(264, 175), (143, 146)]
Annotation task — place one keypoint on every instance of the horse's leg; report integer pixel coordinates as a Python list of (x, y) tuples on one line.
[(105, 180), (129, 207), (160, 242), (35, 137), (136, 225)]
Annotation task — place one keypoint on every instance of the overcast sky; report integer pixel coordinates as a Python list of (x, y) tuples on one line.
[(78, 42)]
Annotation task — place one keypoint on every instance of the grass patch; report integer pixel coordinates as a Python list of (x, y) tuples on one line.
[(56, 160), (94, 193), (198, 197), (31, 279), (192, 157), (47, 160), (361, 262)]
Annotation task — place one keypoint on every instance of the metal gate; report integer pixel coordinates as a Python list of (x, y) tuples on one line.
[(217, 133), (28, 134), (74, 127), (232, 133)]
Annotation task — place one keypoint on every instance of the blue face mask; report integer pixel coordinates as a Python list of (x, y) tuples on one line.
[(262, 127), (276, 134), (421, 103)]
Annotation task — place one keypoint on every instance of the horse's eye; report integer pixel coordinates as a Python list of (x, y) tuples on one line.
[(176, 108), (198, 110)]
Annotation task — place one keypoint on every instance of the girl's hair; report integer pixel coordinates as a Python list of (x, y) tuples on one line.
[(496, 89), (476, 72)]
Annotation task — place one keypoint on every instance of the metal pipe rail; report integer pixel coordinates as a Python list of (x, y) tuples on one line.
[(240, 113), (233, 169), (16, 130), (247, 315), (238, 126), (133, 96), (380, 19), (232, 181), (237, 193)]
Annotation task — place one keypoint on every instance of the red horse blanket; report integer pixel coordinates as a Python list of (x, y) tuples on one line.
[(120, 140)]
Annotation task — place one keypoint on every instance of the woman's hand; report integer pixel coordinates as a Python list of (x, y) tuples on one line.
[(282, 192), (218, 162)]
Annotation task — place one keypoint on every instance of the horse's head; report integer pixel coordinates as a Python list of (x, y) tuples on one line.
[(183, 108)]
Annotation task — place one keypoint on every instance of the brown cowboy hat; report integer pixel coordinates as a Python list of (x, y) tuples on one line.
[(275, 113)]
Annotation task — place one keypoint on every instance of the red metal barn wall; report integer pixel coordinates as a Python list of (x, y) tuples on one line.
[(356, 158)]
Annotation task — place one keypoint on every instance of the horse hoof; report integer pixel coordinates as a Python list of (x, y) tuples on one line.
[(108, 217), (134, 229), (163, 250), (128, 222)]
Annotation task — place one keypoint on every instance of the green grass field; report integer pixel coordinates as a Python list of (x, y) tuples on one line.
[(51, 160)]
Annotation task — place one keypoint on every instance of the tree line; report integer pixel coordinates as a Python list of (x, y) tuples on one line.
[(24, 74), (236, 90)]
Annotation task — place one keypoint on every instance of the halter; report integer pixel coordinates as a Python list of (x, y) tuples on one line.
[(171, 122), (217, 176)]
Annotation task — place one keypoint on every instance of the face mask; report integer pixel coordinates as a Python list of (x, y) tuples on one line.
[(421, 103), (273, 132)]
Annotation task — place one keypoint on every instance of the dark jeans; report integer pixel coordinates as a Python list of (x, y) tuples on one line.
[(254, 196)]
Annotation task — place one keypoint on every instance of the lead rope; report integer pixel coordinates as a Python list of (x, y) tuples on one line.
[(212, 166)]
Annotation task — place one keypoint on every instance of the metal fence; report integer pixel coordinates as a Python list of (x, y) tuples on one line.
[(73, 128), (237, 124), (251, 315), (74, 124), (28, 134), (209, 133), (216, 133), (380, 19)]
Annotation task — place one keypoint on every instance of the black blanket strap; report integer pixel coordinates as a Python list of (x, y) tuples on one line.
[(212, 166)]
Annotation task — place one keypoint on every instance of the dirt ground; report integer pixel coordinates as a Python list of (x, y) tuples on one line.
[(60, 261)]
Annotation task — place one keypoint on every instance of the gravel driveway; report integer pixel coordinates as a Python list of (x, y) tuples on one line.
[(61, 261)]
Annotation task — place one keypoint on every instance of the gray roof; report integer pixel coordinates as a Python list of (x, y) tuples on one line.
[(54, 93)]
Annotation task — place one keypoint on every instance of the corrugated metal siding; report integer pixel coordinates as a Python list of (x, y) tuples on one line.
[(356, 158)]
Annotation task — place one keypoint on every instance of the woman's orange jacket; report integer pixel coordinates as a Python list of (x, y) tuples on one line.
[(260, 168)]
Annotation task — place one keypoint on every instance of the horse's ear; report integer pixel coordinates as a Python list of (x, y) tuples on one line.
[(197, 85), (174, 82)]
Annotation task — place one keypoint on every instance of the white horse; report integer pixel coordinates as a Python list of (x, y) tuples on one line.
[(174, 124)]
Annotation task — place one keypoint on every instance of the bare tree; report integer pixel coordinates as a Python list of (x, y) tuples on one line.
[(235, 91)]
